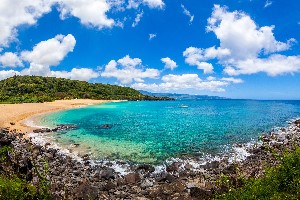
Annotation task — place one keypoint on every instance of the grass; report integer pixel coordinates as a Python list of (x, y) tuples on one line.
[(280, 182), (15, 187)]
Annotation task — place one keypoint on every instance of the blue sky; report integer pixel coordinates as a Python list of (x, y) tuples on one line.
[(230, 48)]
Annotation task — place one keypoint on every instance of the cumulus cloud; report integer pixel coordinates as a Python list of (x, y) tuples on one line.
[(50, 52), (137, 19), (152, 36), (172, 83), (240, 34), (90, 12), (9, 59), (169, 63), (126, 70), (187, 13), (14, 13), (194, 57), (42, 57), (245, 48)]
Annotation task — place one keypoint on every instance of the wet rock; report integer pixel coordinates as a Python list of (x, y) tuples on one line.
[(132, 178), (188, 166), (107, 174), (105, 126), (174, 167), (146, 184), (166, 177), (211, 165), (146, 168)]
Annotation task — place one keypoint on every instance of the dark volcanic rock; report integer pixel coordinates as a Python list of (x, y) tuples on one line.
[(200, 193), (107, 174), (105, 126), (132, 178)]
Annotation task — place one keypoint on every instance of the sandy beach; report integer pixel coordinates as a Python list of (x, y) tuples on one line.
[(14, 115)]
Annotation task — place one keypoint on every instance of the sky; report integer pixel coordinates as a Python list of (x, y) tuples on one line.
[(230, 48)]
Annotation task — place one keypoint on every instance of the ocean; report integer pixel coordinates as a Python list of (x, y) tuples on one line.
[(154, 131)]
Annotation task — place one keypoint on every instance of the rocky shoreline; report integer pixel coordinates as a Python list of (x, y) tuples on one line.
[(71, 178)]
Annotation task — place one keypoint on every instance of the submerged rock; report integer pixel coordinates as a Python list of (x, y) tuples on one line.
[(105, 126)]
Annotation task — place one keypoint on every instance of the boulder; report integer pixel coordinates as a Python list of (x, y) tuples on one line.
[(132, 178)]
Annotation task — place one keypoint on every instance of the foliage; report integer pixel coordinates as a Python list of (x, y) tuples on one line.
[(13, 186), (4, 153), (281, 182), (32, 89), (16, 188)]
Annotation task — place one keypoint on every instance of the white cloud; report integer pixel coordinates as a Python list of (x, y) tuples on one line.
[(90, 12), (268, 3), (14, 13), (169, 63), (154, 3), (152, 36), (173, 83), (194, 57), (137, 19), (83, 74), (239, 33), (4, 74), (274, 65), (187, 13), (232, 80), (9, 59), (245, 48), (50, 52), (133, 4), (126, 70)]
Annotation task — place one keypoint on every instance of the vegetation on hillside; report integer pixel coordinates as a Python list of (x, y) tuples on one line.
[(29, 89), (280, 182)]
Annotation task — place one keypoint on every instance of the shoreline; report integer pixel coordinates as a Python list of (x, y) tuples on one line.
[(82, 178), (14, 116)]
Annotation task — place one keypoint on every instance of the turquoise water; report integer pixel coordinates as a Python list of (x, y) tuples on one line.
[(150, 132)]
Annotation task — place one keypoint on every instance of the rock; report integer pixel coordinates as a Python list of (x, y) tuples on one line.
[(166, 177), (174, 167), (211, 165), (146, 168), (105, 126), (12, 123), (86, 191), (198, 193), (107, 174), (146, 184), (176, 187), (109, 185), (132, 178), (188, 166)]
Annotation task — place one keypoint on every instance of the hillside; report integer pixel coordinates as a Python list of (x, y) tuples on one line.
[(29, 89)]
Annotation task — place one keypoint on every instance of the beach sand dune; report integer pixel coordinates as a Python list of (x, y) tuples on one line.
[(13, 115)]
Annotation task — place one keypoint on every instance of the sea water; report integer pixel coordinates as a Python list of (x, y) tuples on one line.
[(153, 131)]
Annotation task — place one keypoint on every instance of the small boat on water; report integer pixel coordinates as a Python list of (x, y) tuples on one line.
[(183, 106)]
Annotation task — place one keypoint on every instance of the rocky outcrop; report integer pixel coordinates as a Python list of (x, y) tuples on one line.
[(79, 179)]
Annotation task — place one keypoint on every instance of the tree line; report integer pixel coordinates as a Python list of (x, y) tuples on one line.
[(34, 89)]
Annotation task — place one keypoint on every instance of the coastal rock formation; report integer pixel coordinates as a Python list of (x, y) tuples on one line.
[(185, 178)]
